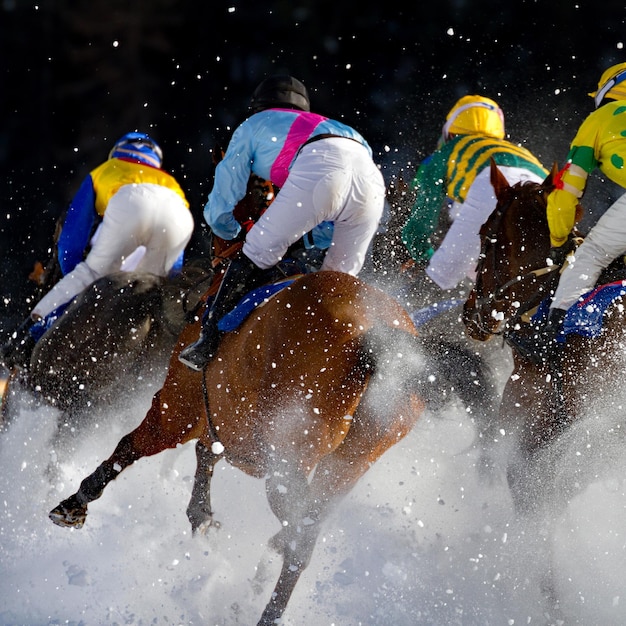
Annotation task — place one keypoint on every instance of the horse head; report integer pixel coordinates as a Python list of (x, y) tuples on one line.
[(515, 243)]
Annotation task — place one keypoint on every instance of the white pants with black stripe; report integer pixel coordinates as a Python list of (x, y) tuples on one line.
[(604, 242)]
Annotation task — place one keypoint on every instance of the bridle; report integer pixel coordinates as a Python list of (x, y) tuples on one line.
[(483, 301)]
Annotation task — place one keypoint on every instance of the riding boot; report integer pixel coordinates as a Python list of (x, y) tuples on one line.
[(17, 350), (544, 344), (241, 276)]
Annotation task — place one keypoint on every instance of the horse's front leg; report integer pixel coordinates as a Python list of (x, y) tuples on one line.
[(199, 511), (72, 512), (159, 430)]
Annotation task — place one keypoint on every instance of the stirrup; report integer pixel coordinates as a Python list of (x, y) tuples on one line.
[(197, 355)]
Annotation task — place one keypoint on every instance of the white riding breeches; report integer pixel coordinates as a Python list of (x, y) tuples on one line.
[(335, 180), (458, 253), (604, 242), (138, 215)]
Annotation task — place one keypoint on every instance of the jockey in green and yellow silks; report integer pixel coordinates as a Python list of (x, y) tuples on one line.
[(457, 173), (600, 143)]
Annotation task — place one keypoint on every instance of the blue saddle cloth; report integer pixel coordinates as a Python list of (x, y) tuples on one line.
[(249, 302), (258, 296), (421, 316), (585, 316), (42, 326)]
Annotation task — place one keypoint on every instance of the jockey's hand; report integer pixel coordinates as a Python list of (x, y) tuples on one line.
[(558, 254)]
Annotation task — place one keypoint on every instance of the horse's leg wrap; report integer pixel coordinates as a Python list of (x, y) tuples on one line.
[(92, 487), (72, 512)]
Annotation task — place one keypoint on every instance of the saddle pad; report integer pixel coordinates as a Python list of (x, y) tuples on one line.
[(249, 302), (421, 316), (42, 326), (585, 317)]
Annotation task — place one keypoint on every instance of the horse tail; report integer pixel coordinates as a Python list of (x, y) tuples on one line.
[(437, 370)]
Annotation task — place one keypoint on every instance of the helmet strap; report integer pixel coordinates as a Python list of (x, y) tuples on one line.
[(601, 93), (445, 134)]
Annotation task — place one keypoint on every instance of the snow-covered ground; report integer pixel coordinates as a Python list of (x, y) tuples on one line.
[(420, 541)]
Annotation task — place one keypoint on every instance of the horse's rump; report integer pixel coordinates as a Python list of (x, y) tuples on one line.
[(300, 362), (123, 324)]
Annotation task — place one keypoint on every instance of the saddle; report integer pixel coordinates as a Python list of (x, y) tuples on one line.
[(255, 298), (585, 317)]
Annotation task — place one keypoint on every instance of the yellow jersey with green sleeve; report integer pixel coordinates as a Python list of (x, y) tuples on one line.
[(599, 143)]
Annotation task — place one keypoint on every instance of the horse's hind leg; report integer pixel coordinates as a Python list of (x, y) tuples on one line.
[(289, 498), (302, 506), (289, 576), (199, 511)]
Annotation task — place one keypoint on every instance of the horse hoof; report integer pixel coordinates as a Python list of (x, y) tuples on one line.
[(205, 527), (68, 518)]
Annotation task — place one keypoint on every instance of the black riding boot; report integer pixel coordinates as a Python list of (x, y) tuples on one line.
[(543, 345), (19, 347), (241, 276)]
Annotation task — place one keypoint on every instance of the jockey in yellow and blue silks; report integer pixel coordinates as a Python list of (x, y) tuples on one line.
[(126, 166), (600, 143), (146, 225), (457, 174)]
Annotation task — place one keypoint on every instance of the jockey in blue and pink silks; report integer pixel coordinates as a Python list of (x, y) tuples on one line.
[(328, 183), (145, 225)]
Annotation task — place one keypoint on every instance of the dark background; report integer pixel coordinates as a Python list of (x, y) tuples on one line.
[(76, 75)]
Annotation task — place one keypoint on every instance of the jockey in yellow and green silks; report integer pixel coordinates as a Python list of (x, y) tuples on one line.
[(457, 174), (600, 143)]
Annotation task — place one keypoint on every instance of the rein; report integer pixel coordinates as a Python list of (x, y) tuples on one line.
[(498, 293), (212, 431), (498, 296)]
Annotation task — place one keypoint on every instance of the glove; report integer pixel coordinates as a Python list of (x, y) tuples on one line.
[(558, 254)]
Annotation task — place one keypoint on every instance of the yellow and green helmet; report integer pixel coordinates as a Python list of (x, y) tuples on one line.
[(612, 84), (474, 115)]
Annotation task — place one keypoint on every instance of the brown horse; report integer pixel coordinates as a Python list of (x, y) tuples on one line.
[(308, 393), (540, 402)]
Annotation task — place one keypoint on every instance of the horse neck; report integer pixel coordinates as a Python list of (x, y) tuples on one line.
[(521, 247)]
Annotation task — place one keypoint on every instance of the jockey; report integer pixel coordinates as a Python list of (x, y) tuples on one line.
[(599, 143), (458, 174), (326, 174), (145, 225)]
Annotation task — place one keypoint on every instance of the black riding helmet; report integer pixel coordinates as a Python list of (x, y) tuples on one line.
[(280, 91)]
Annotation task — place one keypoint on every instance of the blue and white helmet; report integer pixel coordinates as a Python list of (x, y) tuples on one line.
[(137, 147)]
